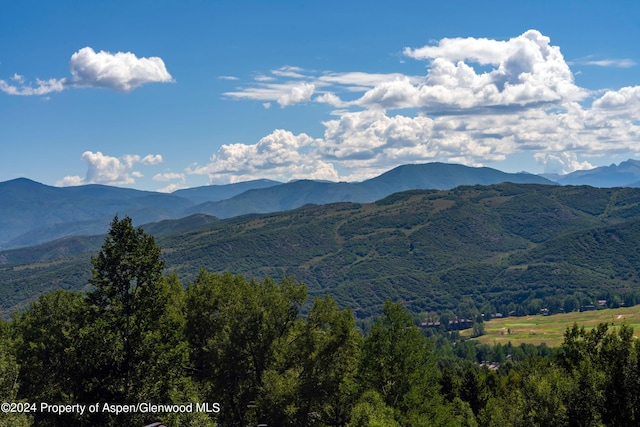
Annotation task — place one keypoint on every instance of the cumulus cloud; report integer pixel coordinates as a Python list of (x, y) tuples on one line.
[(369, 142), (297, 94), (281, 155), (108, 170), (120, 71), (149, 159), (171, 176), (480, 101), (562, 163), (526, 71), (522, 72), (625, 100)]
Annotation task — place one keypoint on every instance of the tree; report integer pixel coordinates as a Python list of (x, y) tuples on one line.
[(51, 354), (371, 411), (9, 379), (134, 339), (312, 381), (234, 328), (397, 362)]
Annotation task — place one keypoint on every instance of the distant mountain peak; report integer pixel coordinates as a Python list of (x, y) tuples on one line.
[(624, 174)]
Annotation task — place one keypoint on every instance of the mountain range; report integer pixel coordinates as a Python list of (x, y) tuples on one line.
[(430, 223), (499, 246), (625, 174), (33, 213)]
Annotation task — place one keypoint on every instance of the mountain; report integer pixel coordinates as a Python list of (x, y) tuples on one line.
[(33, 213), (292, 195), (214, 193), (441, 176), (626, 174), (500, 245)]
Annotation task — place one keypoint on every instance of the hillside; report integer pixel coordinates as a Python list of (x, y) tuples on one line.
[(33, 213), (504, 246), (292, 195)]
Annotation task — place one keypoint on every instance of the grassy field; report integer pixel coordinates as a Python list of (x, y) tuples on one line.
[(550, 329)]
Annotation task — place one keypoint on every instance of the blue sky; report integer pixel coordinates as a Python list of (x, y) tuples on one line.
[(161, 95)]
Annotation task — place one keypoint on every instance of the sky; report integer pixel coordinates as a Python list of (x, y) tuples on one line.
[(162, 95)]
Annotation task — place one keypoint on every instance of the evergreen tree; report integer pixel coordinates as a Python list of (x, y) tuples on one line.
[(135, 339)]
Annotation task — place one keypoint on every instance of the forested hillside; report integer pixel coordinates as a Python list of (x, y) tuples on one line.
[(32, 213), (139, 348), (495, 249)]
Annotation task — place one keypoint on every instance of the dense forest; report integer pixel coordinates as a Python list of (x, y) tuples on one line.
[(504, 248), (139, 347)]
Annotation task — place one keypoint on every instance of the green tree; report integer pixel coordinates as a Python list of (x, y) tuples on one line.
[(619, 362), (9, 378), (397, 362), (126, 275), (234, 328), (312, 381), (51, 355), (372, 411), (135, 342)]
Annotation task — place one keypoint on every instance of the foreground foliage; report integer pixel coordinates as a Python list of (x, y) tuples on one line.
[(244, 346)]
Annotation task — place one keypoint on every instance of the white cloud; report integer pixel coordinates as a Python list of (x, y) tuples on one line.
[(562, 163), (610, 62), (368, 142), (331, 99), (522, 72), (289, 71), (108, 170), (17, 78), (480, 101), (360, 82), (171, 188), (121, 71), (42, 87), (625, 100), (168, 176), (171, 176), (527, 71), (297, 94), (151, 159), (280, 155), (300, 85), (285, 94)]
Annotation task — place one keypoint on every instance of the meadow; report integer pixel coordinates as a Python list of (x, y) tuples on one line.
[(550, 330)]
